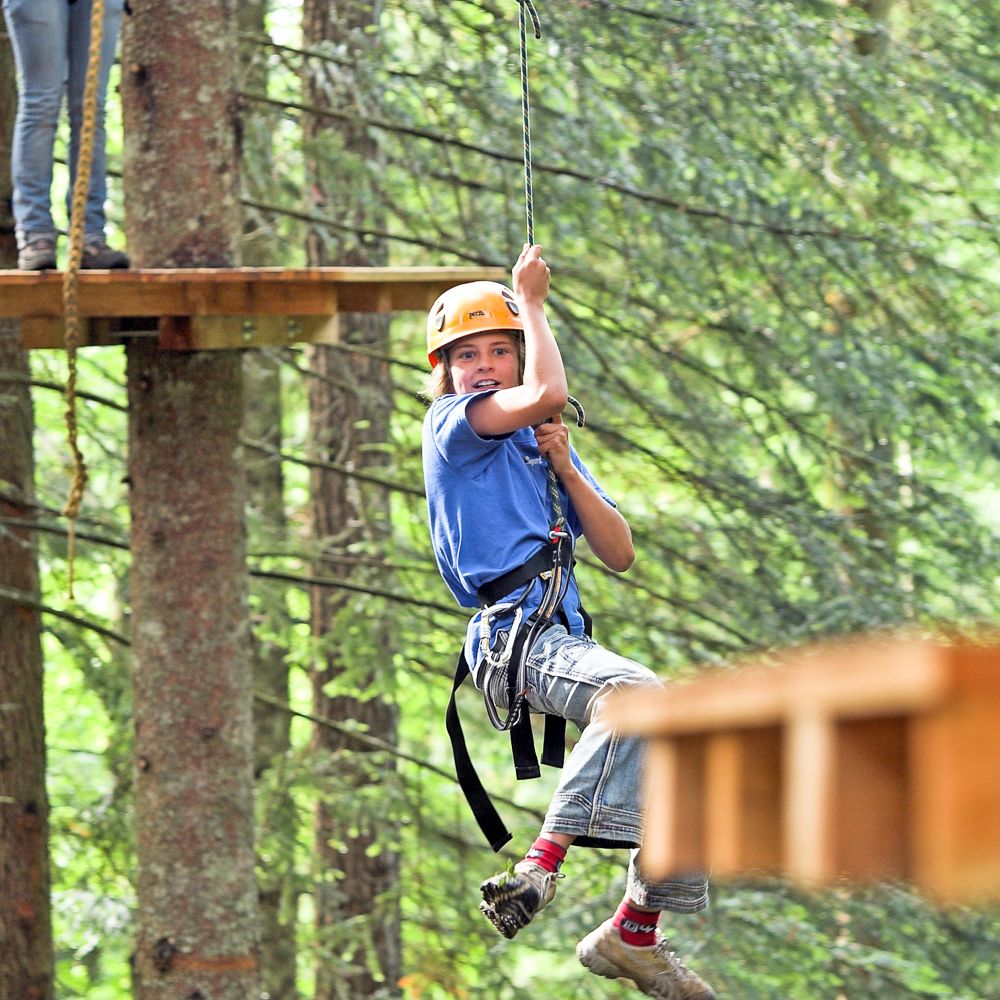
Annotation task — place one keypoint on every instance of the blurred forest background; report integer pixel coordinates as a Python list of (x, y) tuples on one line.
[(773, 233)]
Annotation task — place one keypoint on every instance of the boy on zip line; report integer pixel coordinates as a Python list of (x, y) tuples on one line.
[(508, 496)]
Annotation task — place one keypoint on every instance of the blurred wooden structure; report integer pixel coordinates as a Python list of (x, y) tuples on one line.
[(218, 308), (871, 760)]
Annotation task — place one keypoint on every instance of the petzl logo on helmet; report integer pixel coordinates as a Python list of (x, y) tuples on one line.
[(477, 312)]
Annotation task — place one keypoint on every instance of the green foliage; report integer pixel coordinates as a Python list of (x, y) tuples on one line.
[(771, 228)]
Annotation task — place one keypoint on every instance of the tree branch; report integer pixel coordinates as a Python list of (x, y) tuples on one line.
[(26, 600), (374, 743), (646, 197)]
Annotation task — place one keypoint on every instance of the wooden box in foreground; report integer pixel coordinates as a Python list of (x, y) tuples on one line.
[(869, 760)]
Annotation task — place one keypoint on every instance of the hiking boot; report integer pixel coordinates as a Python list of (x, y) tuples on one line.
[(511, 899), (656, 970), (37, 254), (97, 255)]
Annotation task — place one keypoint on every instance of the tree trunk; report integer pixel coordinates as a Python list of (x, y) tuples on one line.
[(197, 928), (26, 960), (276, 812), (356, 909), (25, 925), (350, 402)]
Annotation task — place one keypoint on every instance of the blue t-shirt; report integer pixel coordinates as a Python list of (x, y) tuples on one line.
[(489, 506)]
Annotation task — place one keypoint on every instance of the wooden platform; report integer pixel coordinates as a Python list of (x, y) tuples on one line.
[(214, 308), (872, 760)]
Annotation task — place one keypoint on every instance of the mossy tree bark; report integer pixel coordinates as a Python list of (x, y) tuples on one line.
[(26, 958), (197, 933)]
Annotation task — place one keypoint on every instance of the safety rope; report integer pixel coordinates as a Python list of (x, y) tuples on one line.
[(71, 307), (526, 8), (552, 482)]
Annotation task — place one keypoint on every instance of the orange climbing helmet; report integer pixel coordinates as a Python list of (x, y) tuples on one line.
[(465, 310)]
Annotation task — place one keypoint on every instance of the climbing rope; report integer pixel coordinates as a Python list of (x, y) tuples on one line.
[(526, 8), (71, 308), (558, 517)]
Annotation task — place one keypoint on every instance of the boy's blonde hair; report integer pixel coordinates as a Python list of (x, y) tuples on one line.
[(438, 381)]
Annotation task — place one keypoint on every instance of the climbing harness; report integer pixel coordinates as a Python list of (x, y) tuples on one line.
[(71, 308)]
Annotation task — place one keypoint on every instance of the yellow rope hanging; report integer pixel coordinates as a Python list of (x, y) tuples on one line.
[(71, 310)]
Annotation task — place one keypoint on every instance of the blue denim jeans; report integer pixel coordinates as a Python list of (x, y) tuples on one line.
[(51, 40), (600, 791)]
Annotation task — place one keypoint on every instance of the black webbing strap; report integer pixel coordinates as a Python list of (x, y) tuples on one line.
[(522, 742), (554, 741), (472, 788), (494, 591)]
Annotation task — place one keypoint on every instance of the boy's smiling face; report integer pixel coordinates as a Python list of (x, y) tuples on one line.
[(484, 361)]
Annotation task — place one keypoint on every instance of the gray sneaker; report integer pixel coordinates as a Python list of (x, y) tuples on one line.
[(511, 899), (37, 254), (97, 255), (656, 970)]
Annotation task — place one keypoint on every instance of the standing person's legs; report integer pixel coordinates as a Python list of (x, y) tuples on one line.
[(38, 34), (78, 55)]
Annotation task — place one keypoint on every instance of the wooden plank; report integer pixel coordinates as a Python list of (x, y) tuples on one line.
[(235, 291), (762, 845), (808, 797), (724, 816), (214, 333), (42, 331), (955, 751), (317, 329), (48, 332), (660, 849), (842, 679), (895, 775)]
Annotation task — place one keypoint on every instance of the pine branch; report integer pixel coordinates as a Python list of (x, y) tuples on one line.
[(389, 595), (368, 742), (18, 378), (55, 529), (329, 223), (644, 197), (344, 470), (27, 600)]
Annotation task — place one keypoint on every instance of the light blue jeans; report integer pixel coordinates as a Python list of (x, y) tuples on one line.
[(600, 791), (51, 40)]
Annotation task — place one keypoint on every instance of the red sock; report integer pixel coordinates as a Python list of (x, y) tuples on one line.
[(546, 853), (637, 927)]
